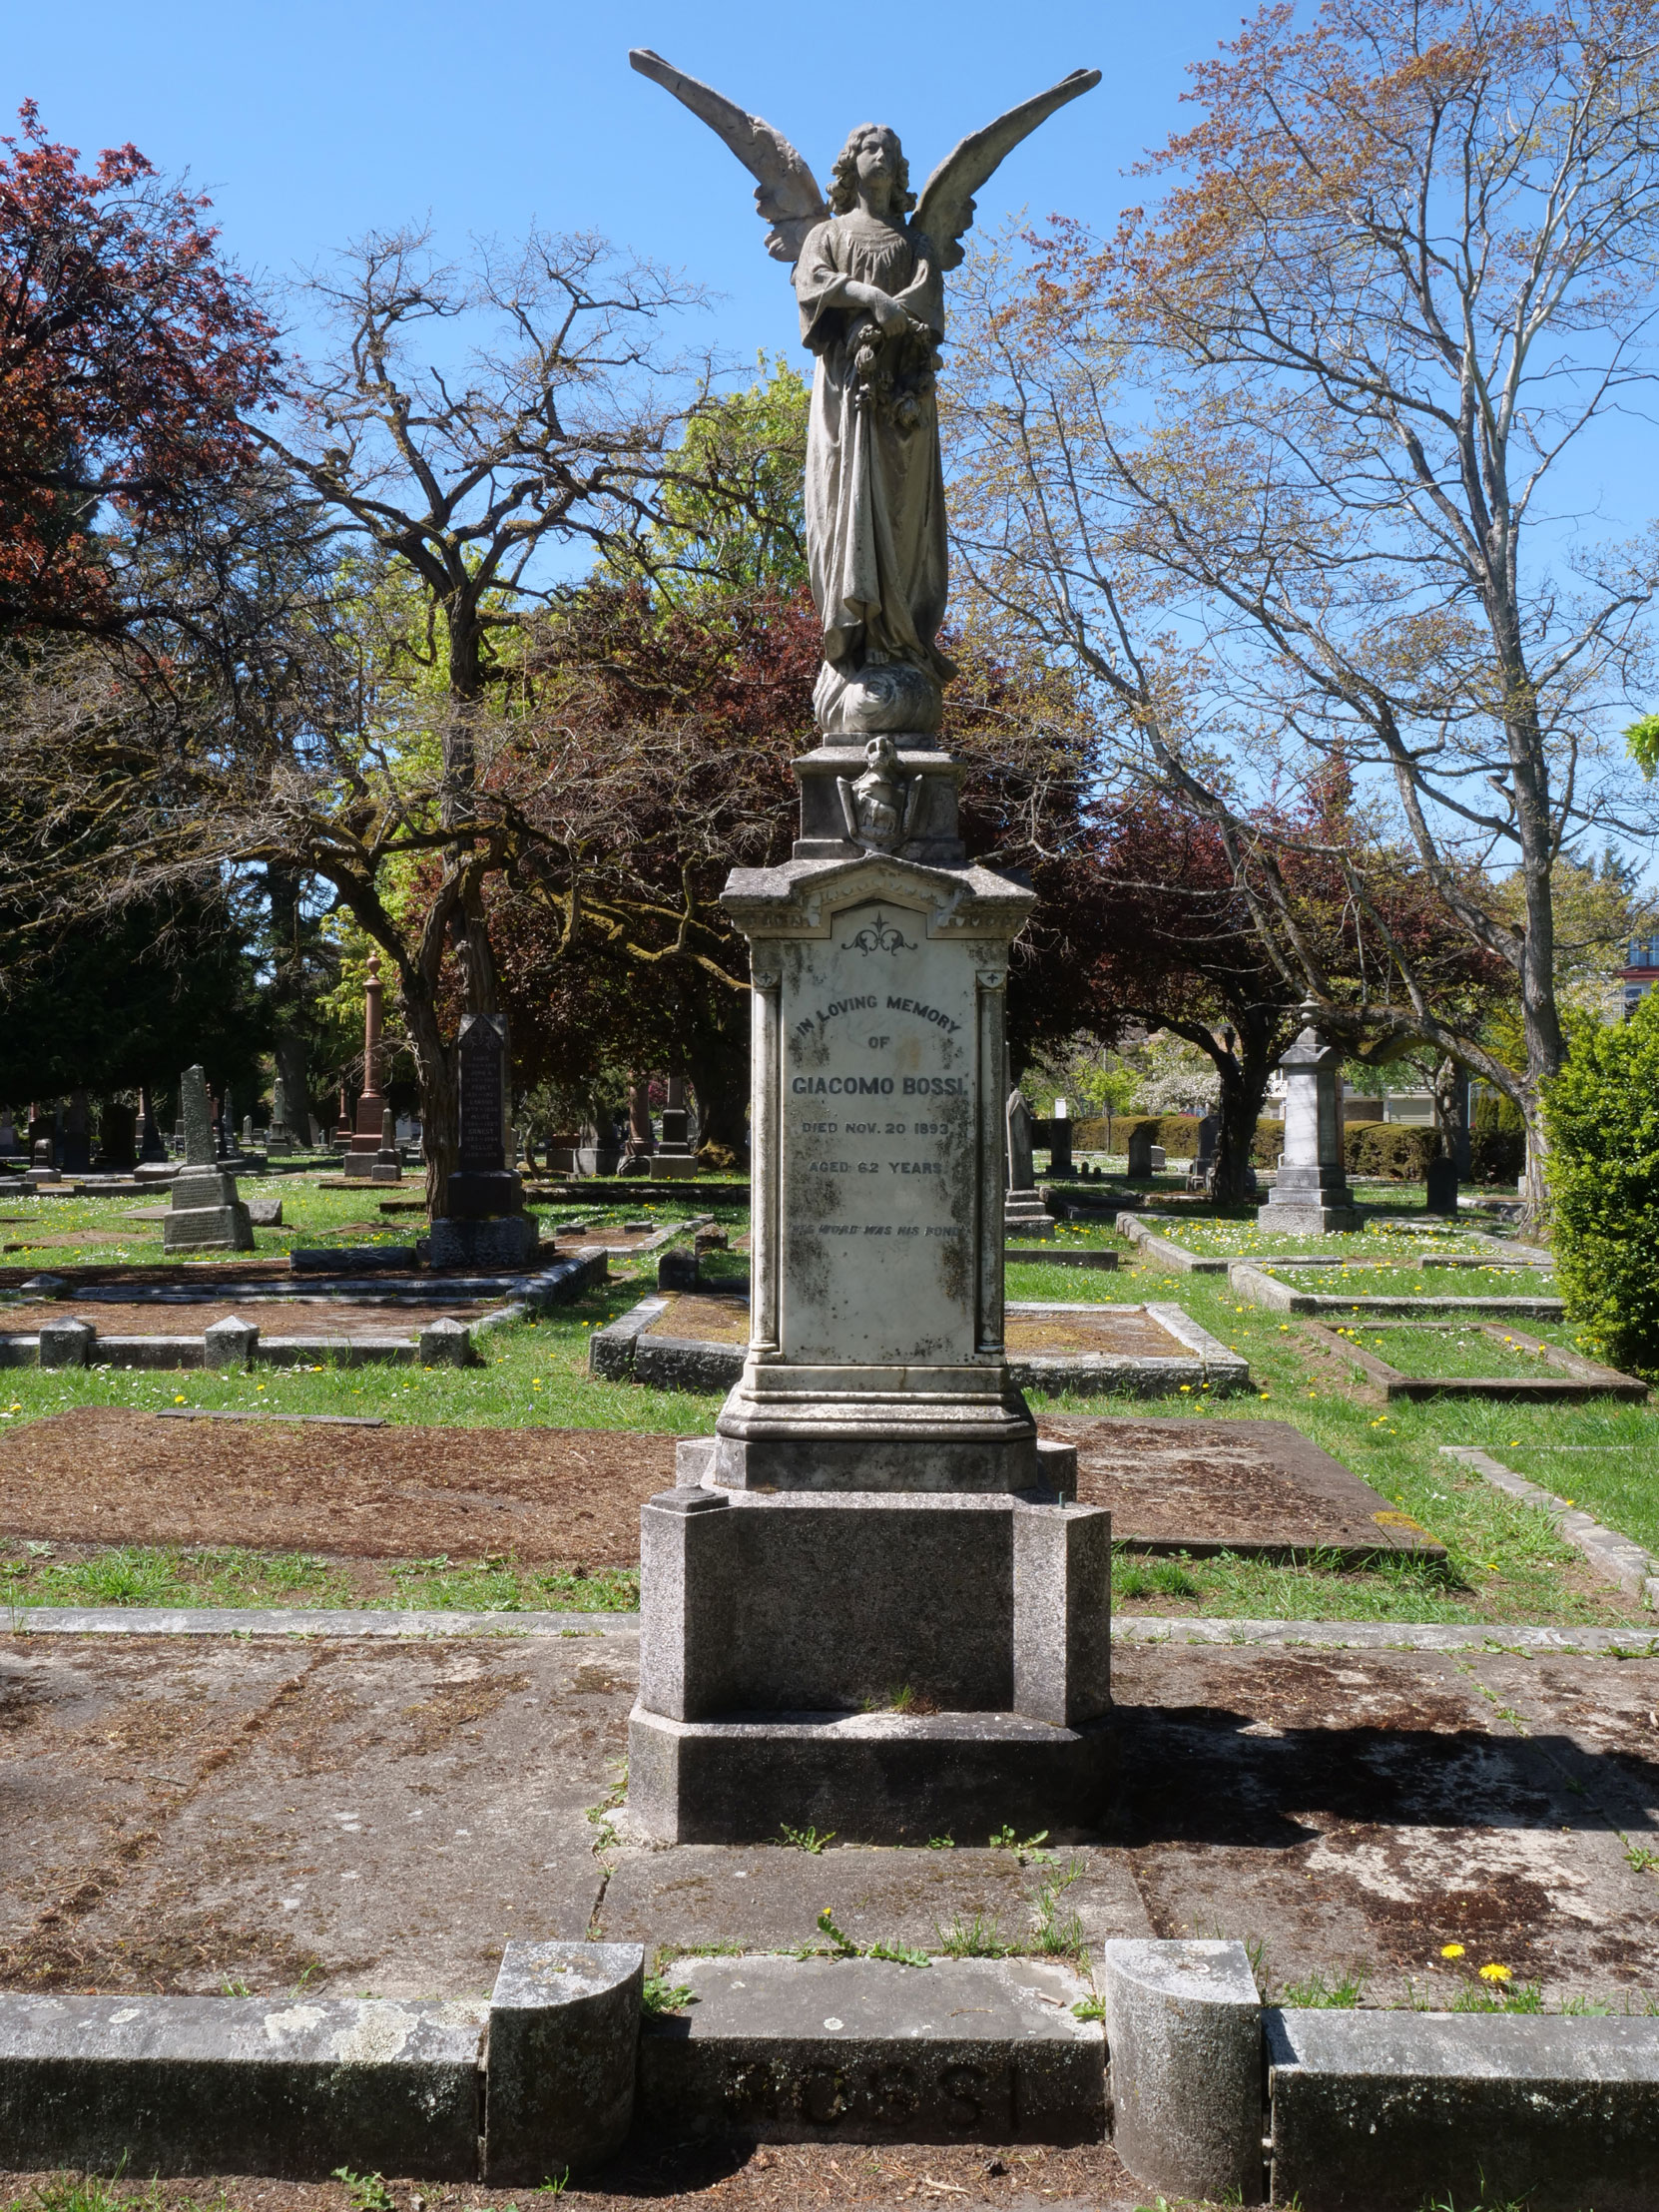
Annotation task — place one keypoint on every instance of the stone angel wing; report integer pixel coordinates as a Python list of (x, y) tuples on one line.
[(946, 209), (787, 193)]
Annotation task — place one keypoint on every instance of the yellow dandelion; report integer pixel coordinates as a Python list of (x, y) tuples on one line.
[(1495, 1974), (1452, 1950)]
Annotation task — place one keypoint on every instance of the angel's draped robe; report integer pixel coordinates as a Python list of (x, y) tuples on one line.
[(875, 524)]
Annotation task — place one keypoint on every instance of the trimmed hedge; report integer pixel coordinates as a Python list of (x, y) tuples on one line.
[(1398, 1150), (1497, 1140), (1266, 1144), (1602, 1114)]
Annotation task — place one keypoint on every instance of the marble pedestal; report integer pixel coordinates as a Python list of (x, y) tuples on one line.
[(873, 1607), (1310, 1195)]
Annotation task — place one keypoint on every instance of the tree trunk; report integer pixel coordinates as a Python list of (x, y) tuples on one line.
[(717, 1064), (1451, 1114), (1244, 1087), (435, 1079)]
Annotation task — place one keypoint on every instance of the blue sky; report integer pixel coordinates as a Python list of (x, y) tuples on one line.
[(311, 123)]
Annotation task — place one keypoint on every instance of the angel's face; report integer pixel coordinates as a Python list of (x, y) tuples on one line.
[(876, 163)]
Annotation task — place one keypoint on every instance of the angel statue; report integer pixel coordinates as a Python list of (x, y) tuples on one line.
[(870, 281)]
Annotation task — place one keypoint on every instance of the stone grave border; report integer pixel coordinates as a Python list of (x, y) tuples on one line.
[(1057, 1256), (1248, 1279), (624, 1351), (234, 1343), (1162, 1251), (394, 1623), (1616, 1558), (1166, 2046), (1579, 1378)]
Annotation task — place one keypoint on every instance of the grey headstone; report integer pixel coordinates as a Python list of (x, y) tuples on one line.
[(676, 1269), (266, 1213), (1020, 1174), (230, 1343), (481, 1050), (1183, 2027), (197, 1114), (1209, 1136), (1140, 1151), (563, 2057)]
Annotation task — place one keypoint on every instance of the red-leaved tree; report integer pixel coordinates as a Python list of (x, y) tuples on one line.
[(130, 356)]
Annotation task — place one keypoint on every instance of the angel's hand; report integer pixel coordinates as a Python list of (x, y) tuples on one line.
[(890, 316)]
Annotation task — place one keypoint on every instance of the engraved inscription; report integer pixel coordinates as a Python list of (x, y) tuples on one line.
[(879, 1200)]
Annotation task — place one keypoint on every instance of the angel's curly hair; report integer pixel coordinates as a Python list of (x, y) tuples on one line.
[(844, 178)]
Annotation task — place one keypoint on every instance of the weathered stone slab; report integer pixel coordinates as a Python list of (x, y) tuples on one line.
[(798, 2050), (195, 2085), (1386, 2111)]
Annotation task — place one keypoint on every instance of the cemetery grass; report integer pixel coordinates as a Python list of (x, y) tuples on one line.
[(1400, 1279), (55, 1235), (1505, 1561), (1459, 1350)]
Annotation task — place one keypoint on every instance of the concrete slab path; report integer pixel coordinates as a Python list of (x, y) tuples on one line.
[(366, 1815)]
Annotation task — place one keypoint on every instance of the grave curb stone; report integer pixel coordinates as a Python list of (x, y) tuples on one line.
[(231, 1343), (866, 2050), (182, 2086), (67, 1344), (444, 1342), (1393, 2110), (564, 2035), (1184, 2033)]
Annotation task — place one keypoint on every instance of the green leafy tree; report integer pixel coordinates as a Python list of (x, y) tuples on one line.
[(1603, 1111)]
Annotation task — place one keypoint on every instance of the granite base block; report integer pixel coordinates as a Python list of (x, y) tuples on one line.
[(208, 1227), (877, 1778), (864, 2052), (251, 2085), (508, 1241)]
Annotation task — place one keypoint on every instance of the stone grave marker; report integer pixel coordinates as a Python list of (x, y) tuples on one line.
[(1310, 1195), (1443, 1186), (1059, 1139), (1024, 1212), (1140, 1151), (485, 1224), (205, 1211)]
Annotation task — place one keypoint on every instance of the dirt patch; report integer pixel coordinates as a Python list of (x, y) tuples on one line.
[(72, 1237), (111, 1476), (1243, 1485), (680, 2177), (1124, 1330), (704, 1317), (286, 1316)]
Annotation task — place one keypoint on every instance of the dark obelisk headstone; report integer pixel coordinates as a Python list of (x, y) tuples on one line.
[(484, 1224), (1443, 1186)]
